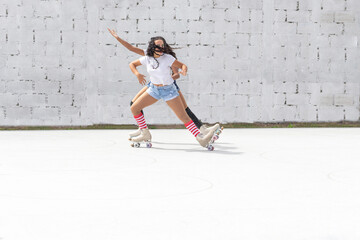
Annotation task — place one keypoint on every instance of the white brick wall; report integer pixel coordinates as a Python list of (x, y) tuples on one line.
[(249, 60)]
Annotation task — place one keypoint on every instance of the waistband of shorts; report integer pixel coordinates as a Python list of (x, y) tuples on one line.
[(163, 87)]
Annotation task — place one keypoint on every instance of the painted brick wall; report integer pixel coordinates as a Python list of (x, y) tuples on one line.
[(249, 60)]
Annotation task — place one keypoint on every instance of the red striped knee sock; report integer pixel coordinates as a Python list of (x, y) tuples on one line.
[(141, 121), (192, 128)]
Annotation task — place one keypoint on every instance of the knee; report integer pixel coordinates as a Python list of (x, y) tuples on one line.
[(134, 109)]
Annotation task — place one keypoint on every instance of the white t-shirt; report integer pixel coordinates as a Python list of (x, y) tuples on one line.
[(162, 74)]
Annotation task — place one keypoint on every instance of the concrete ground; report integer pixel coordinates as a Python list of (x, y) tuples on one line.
[(258, 184)]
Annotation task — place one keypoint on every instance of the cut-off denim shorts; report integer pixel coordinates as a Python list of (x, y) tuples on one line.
[(166, 93)]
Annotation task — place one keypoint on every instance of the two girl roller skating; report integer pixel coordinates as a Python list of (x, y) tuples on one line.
[(162, 66)]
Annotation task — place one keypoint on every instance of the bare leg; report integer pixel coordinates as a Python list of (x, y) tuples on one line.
[(139, 93), (142, 102), (177, 106), (193, 117), (183, 100)]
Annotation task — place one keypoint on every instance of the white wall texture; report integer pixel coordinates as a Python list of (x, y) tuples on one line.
[(249, 60)]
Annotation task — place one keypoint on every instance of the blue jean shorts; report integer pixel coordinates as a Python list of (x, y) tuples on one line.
[(166, 93)]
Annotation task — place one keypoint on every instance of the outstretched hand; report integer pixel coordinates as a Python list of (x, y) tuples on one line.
[(113, 33), (141, 79)]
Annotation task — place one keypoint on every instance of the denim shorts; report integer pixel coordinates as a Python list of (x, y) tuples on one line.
[(166, 93)]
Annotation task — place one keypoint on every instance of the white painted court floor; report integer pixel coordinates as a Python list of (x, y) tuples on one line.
[(258, 184)]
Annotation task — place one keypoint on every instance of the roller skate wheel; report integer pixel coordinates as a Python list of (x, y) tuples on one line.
[(137, 145), (148, 145), (215, 137), (210, 148)]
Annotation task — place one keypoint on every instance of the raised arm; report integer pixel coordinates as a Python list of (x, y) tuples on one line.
[(126, 44)]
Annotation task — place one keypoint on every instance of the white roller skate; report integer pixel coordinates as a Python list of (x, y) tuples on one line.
[(144, 137), (216, 130), (205, 140), (134, 134)]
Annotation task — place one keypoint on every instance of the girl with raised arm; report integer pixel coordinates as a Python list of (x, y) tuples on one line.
[(203, 129), (158, 65)]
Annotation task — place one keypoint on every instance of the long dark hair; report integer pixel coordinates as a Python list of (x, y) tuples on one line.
[(152, 46)]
